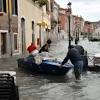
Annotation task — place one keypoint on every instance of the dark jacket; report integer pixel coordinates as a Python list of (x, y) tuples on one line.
[(74, 56), (44, 48), (80, 48)]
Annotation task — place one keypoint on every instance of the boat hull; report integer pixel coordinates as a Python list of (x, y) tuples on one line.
[(53, 67), (27, 65), (46, 67)]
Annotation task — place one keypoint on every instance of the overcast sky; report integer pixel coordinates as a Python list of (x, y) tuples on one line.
[(88, 9)]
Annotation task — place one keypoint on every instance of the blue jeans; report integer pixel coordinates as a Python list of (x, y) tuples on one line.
[(78, 66)]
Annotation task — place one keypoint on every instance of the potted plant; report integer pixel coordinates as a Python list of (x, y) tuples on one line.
[(42, 2)]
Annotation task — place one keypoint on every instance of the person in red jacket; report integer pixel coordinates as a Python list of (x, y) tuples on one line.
[(32, 49)]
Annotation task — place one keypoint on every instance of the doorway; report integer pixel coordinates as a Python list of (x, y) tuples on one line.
[(3, 43)]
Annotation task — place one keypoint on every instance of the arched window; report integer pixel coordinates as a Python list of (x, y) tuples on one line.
[(23, 35), (33, 36)]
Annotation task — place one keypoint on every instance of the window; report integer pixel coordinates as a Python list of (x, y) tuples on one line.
[(4, 5), (47, 7), (14, 7), (32, 25), (1, 5), (23, 35), (51, 6), (32, 31), (15, 42)]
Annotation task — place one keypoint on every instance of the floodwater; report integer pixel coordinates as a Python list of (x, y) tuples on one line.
[(49, 87)]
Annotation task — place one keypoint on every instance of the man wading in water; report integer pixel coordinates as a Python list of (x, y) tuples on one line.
[(74, 56)]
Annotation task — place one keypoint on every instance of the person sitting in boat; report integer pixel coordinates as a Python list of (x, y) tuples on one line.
[(45, 48), (75, 57), (33, 51)]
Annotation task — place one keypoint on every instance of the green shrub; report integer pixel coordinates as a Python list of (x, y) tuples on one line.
[(42, 2)]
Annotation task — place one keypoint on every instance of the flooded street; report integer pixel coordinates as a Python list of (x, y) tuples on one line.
[(59, 88), (49, 87)]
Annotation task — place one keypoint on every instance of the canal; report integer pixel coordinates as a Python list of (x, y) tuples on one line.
[(49, 87)]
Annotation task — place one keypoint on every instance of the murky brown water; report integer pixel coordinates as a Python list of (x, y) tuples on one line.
[(48, 87)]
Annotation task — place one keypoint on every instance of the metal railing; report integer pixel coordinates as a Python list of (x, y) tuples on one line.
[(90, 60)]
